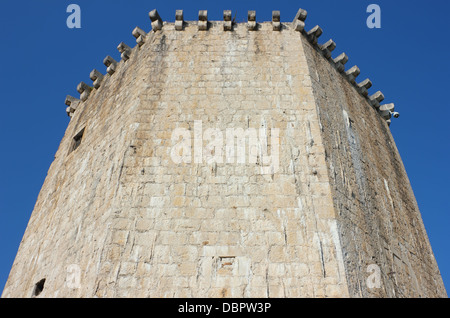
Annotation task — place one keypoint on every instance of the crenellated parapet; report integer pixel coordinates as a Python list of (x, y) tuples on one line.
[(157, 22), (140, 36), (251, 18), (228, 24), (203, 20), (179, 20), (276, 20), (96, 77), (72, 104), (298, 24), (124, 50), (111, 65), (228, 159)]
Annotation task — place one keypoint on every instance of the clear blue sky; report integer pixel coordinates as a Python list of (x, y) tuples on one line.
[(41, 61)]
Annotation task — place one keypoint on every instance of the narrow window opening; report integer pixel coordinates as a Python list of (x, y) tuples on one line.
[(77, 140), (39, 287)]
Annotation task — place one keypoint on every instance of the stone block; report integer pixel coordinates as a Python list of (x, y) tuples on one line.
[(203, 20), (157, 22), (251, 18), (96, 77), (111, 64), (298, 23), (140, 36), (179, 20), (227, 23), (276, 23), (125, 51), (314, 34)]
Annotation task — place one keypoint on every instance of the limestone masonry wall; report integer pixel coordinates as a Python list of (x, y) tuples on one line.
[(135, 223), (378, 218)]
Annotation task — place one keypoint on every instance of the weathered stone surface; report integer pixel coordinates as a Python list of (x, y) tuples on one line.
[(137, 224), (377, 215)]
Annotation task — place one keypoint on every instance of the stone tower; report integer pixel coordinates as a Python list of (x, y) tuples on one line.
[(223, 159)]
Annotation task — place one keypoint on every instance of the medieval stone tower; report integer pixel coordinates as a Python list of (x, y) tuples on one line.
[(223, 159)]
